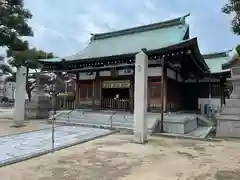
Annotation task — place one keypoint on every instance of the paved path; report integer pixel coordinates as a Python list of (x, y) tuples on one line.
[(14, 148)]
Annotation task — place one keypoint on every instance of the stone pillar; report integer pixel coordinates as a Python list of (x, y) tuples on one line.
[(140, 98), (19, 105)]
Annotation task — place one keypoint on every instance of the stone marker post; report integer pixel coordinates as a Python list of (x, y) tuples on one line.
[(19, 105), (140, 98)]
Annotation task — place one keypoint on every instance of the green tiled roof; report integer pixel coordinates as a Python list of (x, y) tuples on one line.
[(132, 42), (128, 41), (215, 61)]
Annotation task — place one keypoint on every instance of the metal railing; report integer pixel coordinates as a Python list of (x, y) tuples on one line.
[(84, 111), (111, 123), (69, 113)]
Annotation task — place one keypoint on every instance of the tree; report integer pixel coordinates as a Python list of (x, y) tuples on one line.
[(13, 26), (13, 22), (233, 7), (28, 58)]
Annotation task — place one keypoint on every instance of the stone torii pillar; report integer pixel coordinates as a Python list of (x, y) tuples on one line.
[(19, 105), (140, 98)]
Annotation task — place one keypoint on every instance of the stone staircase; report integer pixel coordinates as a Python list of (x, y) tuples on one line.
[(174, 123), (104, 119)]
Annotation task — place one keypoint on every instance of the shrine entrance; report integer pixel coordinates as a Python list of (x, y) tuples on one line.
[(116, 95)]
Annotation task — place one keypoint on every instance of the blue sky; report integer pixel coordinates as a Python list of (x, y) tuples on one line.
[(64, 27)]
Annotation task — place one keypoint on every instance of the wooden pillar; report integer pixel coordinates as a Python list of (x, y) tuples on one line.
[(162, 92), (165, 88), (198, 92), (131, 93), (93, 92), (77, 98), (148, 95), (96, 89), (222, 90)]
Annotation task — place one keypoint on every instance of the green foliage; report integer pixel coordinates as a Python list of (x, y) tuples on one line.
[(27, 57), (13, 22), (233, 7), (238, 49), (13, 26)]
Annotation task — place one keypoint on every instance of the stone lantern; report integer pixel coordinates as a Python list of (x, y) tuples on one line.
[(228, 123), (40, 104)]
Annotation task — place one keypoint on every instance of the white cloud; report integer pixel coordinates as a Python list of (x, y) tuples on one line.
[(65, 28)]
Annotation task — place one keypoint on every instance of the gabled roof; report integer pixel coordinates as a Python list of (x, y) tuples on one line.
[(215, 61), (132, 40)]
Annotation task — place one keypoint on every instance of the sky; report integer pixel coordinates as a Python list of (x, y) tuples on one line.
[(64, 27)]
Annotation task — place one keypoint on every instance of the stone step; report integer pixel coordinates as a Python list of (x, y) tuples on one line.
[(230, 111), (228, 117), (204, 121), (101, 119), (232, 103), (96, 123)]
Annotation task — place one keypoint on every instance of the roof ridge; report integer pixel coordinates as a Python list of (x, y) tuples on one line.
[(215, 55), (148, 27)]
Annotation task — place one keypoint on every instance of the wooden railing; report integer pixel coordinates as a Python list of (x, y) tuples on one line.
[(111, 103), (65, 104)]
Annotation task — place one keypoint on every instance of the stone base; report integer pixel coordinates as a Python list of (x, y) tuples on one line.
[(228, 123), (35, 113), (38, 108), (179, 124), (138, 138), (18, 125), (228, 126)]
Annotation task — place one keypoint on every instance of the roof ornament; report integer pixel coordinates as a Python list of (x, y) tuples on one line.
[(184, 17), (144, 50), (92, 37), (228, 52)]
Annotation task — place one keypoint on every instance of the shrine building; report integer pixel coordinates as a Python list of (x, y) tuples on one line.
[(105, 68)]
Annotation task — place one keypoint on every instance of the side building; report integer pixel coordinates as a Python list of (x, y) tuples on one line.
[(105, 68)]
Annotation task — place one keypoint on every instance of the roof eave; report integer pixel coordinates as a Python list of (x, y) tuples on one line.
[(221, 73), (215, 55), (199, 55), (228, 64), (185, 44)]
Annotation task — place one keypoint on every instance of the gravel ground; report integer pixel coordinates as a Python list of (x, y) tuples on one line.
[(116, 157), (6, 113), (6, 126)]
